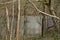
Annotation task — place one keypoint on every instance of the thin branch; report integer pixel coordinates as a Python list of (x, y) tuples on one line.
[(43, 12), (7, 18), (9, 2)]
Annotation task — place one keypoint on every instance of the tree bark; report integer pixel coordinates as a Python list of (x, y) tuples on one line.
[(44, 20), (51, 11), (7, 28), (18, 21), (25, 20), (11, 30)]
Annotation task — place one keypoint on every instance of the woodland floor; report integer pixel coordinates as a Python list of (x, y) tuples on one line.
[(49, 35)]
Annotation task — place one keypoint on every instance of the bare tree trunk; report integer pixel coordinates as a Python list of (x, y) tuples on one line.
[(25, 20), (51, 10), (25, 27), (56, 9), (18, 20), (7, 28), (11, 34), (44, 20)]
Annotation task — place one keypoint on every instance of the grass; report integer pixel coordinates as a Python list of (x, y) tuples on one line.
[(51, 35)]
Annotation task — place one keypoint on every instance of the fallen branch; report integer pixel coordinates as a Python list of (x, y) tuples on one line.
[(43, 12)]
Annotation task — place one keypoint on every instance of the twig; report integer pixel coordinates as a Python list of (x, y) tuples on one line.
[(43, 12)]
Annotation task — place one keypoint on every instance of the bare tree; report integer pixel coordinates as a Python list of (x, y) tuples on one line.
[(11, 30), (43, 12), (18, 20), (7, 28), (25, 19), (53, 15), (44, 19)]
